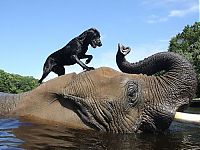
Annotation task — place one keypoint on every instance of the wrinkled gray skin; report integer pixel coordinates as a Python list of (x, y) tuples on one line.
[(111, 101), (166, 93)]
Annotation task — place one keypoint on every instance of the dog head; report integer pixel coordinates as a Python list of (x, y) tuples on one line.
[(93, 36)]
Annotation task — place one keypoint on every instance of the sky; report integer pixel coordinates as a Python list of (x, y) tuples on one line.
[(30, 30)]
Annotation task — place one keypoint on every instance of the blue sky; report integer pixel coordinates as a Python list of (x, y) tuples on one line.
[(30, 30)]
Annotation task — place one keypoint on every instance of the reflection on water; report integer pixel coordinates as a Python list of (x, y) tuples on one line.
[(8, 140), (18, 134)]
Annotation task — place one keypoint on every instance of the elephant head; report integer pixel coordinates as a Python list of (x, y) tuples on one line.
[(169, 91), (108, 100)]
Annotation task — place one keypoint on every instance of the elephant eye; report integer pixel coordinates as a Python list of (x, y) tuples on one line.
[(132, 88), (132, 92)]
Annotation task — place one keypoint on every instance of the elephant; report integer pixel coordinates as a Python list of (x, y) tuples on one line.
[(142, 97)]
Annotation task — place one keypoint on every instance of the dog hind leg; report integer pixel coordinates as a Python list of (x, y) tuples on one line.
[(59, 70)]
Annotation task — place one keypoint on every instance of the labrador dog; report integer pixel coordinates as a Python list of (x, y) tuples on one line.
[(72, 53)]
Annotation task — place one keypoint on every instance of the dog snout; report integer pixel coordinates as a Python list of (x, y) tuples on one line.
[(99, 43)]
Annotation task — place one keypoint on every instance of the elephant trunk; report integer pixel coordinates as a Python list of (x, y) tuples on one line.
[(8, 102), (176, 68), (158, 62)]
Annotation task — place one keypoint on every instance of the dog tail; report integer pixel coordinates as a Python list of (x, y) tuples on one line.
[(47, 68)]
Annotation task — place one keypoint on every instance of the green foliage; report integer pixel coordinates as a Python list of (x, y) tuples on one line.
[(187, 43), (12, 83)]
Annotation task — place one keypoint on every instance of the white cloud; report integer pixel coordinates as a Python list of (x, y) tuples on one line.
[(183, 12), (189, 9)]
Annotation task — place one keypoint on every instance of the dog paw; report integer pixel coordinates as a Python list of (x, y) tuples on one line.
[(87, 61), (89, 68)]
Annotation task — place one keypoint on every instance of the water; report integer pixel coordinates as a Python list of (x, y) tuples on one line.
[(20, 134)]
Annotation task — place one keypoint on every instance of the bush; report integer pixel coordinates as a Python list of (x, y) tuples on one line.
[(187, 43), (12, 83)]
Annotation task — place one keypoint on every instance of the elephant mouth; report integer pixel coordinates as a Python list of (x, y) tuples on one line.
[(154, 120), (161, 119)]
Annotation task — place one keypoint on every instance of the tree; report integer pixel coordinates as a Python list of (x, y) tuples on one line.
[(12, 83), (187, 43)]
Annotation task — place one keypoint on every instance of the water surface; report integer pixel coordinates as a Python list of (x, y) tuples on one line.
[(20, 134)]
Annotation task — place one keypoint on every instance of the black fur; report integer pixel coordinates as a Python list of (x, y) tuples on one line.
[(72, 53)]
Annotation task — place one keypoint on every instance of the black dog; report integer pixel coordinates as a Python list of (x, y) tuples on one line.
[(72, 53)]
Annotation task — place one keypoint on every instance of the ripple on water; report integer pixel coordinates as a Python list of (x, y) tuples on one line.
[(18, 134), (7, 139)]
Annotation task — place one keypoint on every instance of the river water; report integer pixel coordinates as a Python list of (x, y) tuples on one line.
[(20, 134)]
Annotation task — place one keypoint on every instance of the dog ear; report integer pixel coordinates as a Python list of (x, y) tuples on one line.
[(94, 30)]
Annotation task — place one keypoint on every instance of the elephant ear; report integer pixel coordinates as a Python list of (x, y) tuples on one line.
[(82, 108)]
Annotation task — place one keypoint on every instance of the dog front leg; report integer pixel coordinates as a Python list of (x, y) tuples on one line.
[(75, 58), (89, 58)]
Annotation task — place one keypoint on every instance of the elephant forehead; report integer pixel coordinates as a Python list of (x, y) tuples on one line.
[(109, 87), (101, 83), (103, 71)]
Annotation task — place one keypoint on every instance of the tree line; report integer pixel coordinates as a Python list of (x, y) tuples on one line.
[(13, 83), (187, 43)]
